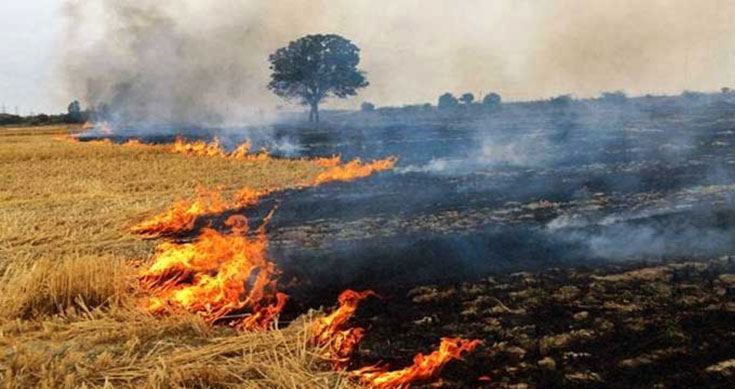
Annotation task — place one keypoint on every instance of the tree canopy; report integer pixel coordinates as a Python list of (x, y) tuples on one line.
[(367, 106), (492, 99), (447, 101), (467, 98), (315, 67), (74, 112)]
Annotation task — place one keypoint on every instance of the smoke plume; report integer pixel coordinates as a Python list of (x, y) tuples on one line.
[(201, 61), (166, 62)]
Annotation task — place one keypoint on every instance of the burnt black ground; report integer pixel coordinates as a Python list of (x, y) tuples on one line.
[(589, 185), (479, 192), (586, 189), (612, 326)]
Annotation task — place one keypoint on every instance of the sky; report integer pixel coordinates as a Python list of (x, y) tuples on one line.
[(412, 50), (29, 36)]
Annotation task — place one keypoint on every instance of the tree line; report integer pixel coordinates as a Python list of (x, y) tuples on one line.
[(317, 67), (74, 115)]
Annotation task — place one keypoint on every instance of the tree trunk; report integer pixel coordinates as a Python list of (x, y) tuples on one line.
[(314, 113)]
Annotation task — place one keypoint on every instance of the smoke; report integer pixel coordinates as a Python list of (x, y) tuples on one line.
[(207, 61), (646, 178), (494, 150), (167, 62), (695, 221), (650, 242)]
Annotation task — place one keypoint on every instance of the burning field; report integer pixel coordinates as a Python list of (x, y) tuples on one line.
[(583, 251), (198, 313)]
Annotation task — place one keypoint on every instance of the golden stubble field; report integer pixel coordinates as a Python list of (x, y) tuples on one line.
[(60, 198), (69, 314)]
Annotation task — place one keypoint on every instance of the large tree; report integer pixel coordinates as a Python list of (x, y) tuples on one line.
[(74, 110), (314, 68)]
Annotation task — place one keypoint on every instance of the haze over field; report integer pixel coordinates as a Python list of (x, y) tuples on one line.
[(213, 55)]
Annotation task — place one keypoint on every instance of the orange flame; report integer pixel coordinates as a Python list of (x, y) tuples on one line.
[(214, 149), (66, 138), (332, 161), (135, 143), (200, 147), (105, 128), (354, 169), (241, 151), (247, 197), (330, 331), (423, 368), (181, 146), (182, 215), (263, 316), (215, 275)]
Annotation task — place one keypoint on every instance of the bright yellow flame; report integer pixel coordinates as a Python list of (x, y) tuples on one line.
[(215, 275)]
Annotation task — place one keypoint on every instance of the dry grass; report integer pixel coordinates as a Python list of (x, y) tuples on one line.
[(68, 296), (46, 287), (61, 198), (124, 348)]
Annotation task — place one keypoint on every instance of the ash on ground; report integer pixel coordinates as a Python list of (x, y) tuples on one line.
[(665, 325)]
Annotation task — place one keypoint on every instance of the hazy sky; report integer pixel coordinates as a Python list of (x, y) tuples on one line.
[(412, 50), (29, 35)]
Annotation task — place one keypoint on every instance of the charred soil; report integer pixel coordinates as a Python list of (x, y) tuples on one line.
[(615, 326)]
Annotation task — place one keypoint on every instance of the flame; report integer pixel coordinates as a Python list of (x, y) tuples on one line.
[(331, 332), (200, 147), (242, 153), (423, 368), (247, 197), (135, 143), (182, 214), (215, 275), (332, 161), (105, 128), (354, 169), (66, 138), (215, 149)]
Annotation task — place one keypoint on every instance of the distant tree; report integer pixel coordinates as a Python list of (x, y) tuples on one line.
[(315, 67), (74, 112), (367, 107), (6, 119), (692, 96), (467, 98), (39, 120), (726, 90), (617, 97), (447, 101), (491, 100), (561, 100)]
